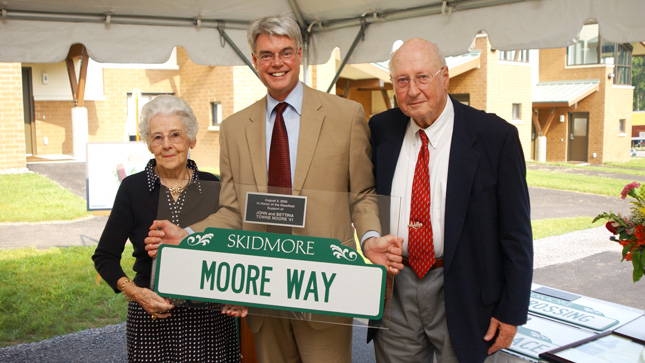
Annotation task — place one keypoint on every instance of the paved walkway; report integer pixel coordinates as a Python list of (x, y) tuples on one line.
[(583, 262)]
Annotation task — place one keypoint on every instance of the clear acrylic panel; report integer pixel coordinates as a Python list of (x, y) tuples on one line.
[(281, 254)]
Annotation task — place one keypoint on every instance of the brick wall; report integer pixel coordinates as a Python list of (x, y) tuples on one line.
[(495, 86), (475, 81), (201, 85), (107, 118), (12, 137), (605, 107)]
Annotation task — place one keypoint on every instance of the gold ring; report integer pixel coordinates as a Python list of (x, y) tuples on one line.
[(154, 316)]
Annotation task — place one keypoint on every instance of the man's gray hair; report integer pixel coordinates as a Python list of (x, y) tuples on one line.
[(168, 105), (274, 25)]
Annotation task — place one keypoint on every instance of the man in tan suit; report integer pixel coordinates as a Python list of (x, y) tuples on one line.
[(328, 139)]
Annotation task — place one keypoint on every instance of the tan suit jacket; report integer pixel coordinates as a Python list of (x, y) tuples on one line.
[(333, 169)]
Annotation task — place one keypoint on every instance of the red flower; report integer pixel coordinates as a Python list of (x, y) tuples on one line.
[(628, 189), (611, 228), (639, 233)]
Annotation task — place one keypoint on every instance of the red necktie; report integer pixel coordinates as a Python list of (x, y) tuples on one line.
[(420, 244), (279, 164)]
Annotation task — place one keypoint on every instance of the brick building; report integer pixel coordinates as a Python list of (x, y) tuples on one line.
[(214, 93), (587, 113), (503, 82), (483, 78), (577, 100)]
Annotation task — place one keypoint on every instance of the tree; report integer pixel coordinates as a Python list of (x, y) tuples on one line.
[(638, 81)]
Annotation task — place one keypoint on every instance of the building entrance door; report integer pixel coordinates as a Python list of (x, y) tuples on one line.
[(578, 136), (28, 110)]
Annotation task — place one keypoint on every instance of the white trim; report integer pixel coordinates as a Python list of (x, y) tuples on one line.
[(65, 98), (595, 65), (213, 128), (508, 62)]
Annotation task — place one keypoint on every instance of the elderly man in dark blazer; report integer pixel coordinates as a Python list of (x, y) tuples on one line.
[(468, 283)]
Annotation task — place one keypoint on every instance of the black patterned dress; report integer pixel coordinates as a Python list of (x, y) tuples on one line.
[(189, 334)]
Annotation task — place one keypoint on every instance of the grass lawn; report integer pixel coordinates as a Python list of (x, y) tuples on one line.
[(576, 183), (31, 197), (54, 292)]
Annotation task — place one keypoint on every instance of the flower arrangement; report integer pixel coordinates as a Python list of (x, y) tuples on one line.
[(629, 231)]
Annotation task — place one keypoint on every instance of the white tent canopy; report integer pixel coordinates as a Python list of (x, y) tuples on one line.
[(145, 31)]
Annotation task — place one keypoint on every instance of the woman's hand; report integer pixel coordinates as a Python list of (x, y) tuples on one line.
[(153, 304)]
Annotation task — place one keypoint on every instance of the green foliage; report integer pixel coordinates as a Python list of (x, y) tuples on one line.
[(629, 230), (638, 81), (32, 197), (54, 292), (638, 261)]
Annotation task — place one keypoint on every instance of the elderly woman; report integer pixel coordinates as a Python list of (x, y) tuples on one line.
[(171, 187)]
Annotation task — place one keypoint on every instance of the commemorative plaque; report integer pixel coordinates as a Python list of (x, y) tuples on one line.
[(276, 209)]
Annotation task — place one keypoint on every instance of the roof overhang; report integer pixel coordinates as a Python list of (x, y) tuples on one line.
[(461, 64), (146, 31), (562, 93)]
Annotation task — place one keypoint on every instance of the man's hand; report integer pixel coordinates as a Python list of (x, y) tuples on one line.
[(385, 251), (504, 338), (163, 232), (235, 310)]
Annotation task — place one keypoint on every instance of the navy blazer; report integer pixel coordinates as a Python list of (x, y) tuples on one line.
[(488, 243)]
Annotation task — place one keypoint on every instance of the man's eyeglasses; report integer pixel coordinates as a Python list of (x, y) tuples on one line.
[(419, 79), (175, 137), (268, 57)]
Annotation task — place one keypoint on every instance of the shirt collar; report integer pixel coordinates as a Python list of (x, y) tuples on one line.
[(435, 131), (294, 99), (153, 178)]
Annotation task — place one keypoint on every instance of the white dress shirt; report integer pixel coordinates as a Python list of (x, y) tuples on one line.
[(439, 141)]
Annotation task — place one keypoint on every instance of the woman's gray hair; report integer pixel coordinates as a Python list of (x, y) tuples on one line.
[(168, 105), (274, 25)]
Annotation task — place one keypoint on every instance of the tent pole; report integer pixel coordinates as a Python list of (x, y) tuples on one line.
[(237, 50), (359, 36), (305, 56)]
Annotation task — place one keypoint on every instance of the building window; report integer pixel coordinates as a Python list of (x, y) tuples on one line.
[(135, 102), (517, 112), (621, 126), (514, 55), (216, 114), (592, 49), (462, 97)]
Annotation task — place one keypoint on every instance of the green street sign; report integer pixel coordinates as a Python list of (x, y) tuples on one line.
[(275, 271)]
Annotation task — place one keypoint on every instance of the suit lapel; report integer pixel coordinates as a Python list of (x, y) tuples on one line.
[(388, 153), (461, 173), (256, 138), (311, 121)]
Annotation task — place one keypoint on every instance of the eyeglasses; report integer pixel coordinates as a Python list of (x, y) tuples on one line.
[(419, 79), (268, 57), (175, 137)]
